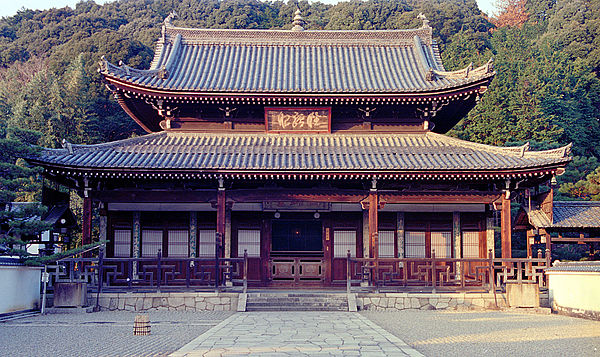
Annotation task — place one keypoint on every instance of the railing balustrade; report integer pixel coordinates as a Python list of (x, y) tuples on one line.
[(151, 273), (444, 273)]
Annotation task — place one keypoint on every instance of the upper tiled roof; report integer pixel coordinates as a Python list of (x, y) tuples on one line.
[(292, 153), (273, 61), (568, 214)]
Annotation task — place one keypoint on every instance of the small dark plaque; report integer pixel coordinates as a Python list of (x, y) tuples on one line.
[(292, 120)]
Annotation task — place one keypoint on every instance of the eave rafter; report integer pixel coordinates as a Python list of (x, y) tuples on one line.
[(131, 90), (302, 175)]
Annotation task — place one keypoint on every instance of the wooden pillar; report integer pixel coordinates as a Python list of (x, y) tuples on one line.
[(548, 241), (137, 240), (400, 233), (506, 228), (103, 228), (456, 236), (221, 210), (530, 238), (86, 234), (373, 223), (193, 233), (228, 231), (490, 236), (366, 239)]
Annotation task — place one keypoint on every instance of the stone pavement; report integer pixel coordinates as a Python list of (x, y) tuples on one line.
[(297, 334), (73, 332), (492, 333)]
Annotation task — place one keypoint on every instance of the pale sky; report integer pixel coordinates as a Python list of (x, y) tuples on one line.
[(10, 7)]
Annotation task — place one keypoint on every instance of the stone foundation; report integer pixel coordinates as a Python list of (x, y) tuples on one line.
[(207, 301), (439, 301), (188, 301)]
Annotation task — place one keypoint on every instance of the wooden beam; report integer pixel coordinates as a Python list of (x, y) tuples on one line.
[(307, 195), (166, 196), (506, 228)]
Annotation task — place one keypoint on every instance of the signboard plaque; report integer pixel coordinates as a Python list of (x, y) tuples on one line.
[(298, 120)]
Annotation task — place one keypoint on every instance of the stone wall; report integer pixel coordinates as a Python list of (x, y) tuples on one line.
[(189, 301), (427, 301)]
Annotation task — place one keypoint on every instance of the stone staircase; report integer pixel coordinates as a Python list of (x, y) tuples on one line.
[(297, 301)]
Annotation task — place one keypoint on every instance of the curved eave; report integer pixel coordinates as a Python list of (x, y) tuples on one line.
[(99, 172), (464, 88)]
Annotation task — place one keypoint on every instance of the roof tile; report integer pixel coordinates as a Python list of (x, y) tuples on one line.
[(279, 152)]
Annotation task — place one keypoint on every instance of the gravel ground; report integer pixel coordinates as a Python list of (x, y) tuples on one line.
[(102, 333), (491, 333)]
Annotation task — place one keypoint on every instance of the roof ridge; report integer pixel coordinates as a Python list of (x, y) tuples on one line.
[(110, 144), (271, 37)]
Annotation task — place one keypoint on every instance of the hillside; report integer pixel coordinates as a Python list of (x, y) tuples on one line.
[(546, 54)]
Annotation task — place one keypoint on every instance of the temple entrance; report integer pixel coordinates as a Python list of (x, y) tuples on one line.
[(297, 252)]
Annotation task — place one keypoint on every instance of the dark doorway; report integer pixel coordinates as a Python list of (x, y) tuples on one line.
[(297, 238)]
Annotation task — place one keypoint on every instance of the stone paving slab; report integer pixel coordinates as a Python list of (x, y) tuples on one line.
[(492, 333), (75, 333), (292, 333)]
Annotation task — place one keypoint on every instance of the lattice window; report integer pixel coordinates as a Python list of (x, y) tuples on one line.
[(342, 242), (386, 244), (441, 242), (249, 239), (206, 243), (414, 244), (122, 243), (470, 244), (151, 242), (178, 243)]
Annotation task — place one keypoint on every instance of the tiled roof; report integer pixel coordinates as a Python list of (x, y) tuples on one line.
[(568, 214), (267, 61), (277, 153), (589, 266)]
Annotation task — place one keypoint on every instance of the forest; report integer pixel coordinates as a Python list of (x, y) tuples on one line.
[(546, 54)]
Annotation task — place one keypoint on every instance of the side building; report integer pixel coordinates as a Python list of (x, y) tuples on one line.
[(298, 146)]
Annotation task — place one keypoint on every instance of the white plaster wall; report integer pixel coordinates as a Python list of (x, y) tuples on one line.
[(579, 291), (19, 288)]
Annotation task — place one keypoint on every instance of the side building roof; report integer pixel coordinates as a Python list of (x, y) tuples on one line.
[(568, 214), (373, 155)]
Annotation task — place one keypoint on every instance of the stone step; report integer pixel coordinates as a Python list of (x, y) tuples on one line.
[(296, 302), (295, 308), (295, 295), (296, 299)]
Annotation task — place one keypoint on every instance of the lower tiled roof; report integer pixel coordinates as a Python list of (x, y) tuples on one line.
[(589, 266), (280, 153), (568, 214)]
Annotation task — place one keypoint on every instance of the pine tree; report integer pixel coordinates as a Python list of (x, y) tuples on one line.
[(19, 182)]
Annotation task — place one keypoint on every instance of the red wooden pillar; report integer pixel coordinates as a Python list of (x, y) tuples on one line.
[(373, 223), (506, 228), (221, 215), (86, 234)]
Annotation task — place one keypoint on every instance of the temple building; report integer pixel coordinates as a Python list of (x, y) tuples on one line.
[(297, 147)]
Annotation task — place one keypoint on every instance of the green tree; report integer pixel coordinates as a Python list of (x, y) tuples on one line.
[(19, 182)]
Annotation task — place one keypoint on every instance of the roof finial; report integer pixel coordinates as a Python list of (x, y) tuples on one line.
[(298, 21), (168, 19), (424, 18)]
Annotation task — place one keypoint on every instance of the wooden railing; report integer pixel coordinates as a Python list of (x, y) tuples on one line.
[(152, 274), (444, 273)]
